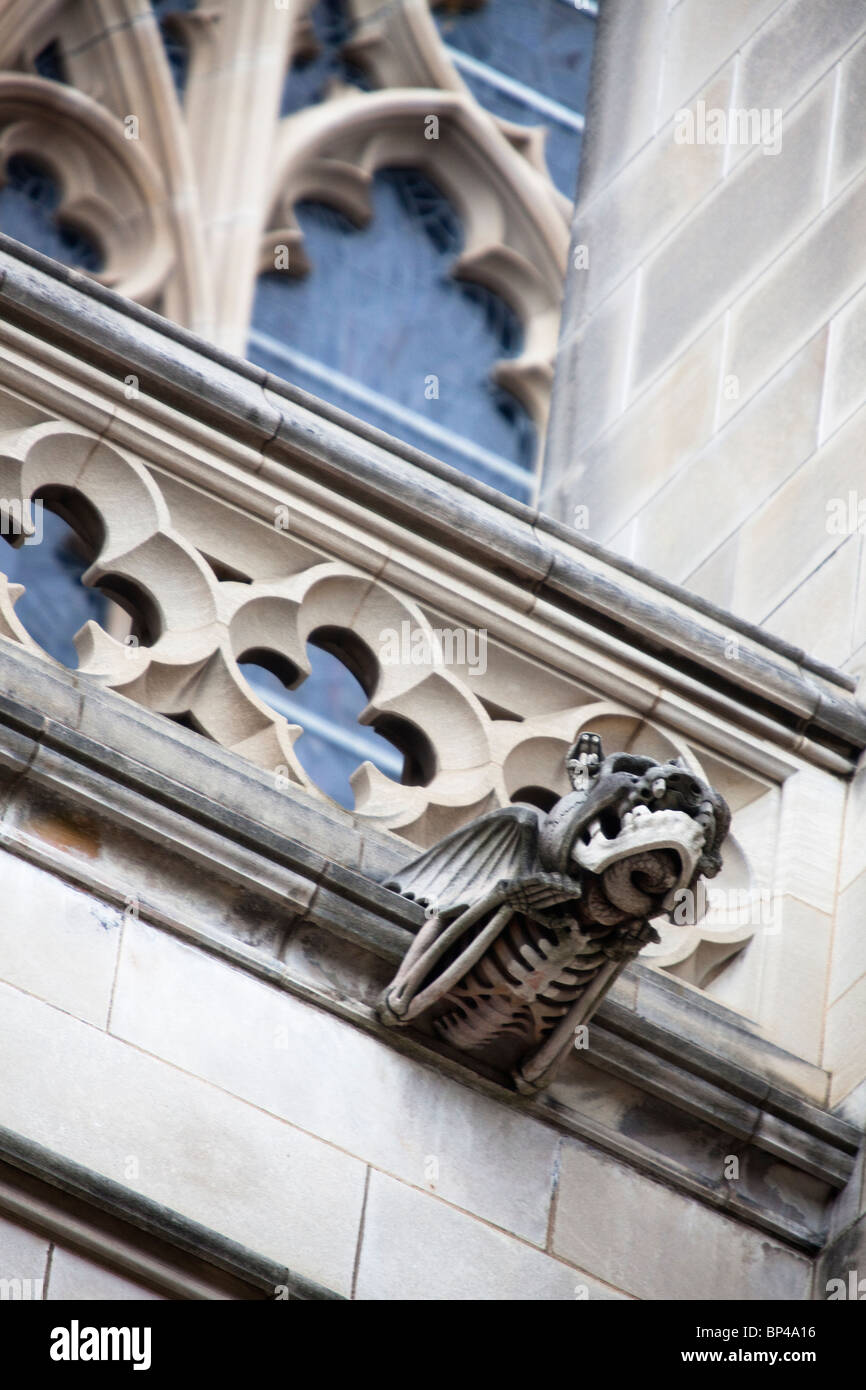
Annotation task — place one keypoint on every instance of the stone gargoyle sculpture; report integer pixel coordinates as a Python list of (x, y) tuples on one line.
[(532, 915)]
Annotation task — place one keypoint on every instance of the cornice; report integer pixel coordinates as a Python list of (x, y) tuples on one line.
[(141, 1238), (772, 689), (92, 753)]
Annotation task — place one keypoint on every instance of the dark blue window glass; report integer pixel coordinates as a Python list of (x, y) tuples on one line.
[(381, 328), (49, 63), (321, 60), (545, 45), (528, 63), (29, 198), (55, 603), (327, 705), (173, 40)]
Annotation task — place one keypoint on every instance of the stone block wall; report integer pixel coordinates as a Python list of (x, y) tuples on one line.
[(285, 1129), (708, 406)]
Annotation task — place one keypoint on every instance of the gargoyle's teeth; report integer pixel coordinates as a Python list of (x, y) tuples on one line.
[(641, 810), (594, 826)]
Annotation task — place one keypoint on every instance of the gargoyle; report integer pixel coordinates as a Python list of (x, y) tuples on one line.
[(532, 915)]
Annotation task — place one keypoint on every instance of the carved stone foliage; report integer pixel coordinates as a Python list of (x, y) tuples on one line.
[(533, 914)]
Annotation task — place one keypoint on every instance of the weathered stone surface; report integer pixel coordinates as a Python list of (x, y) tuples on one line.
[(265, 1184), (798, 43), (731, 237), (804, 288), (853, 860), (716, 1256), (56, 942), (630, 40), (416, 1247), (850, 149), (700, 39), (849, 938), (616, 474), (661, 1000), (813, 807), (820, 612), (787, 538), (844, 1260), (846, 360), (622, 225), (742, 465), (844, 1040), (851, 1202), (333, 1081), (595, 359), (76, 1278)]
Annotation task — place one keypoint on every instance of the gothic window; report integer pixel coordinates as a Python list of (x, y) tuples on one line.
[(528, 63), (29, 198), (319, 59), (381, 328)]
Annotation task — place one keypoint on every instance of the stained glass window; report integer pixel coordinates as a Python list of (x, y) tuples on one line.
[(327, 705), (381, 328), (55, 603), (29, 201), (173, 41)]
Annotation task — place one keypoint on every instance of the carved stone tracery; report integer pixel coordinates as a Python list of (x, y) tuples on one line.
[(187, 214), (195, 631), (189, 210)]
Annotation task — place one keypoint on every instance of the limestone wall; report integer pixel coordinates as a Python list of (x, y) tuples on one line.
[(256, 1114), (708, 408)]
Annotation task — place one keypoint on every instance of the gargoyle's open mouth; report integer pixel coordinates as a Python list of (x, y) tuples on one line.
[(656, 851), (640, 884), (608, 823)]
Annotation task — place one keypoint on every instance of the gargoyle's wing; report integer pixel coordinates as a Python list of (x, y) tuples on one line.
[(467, 865)]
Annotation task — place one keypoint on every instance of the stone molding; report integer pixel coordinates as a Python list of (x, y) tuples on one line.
[(229, 168), (90, 754), (105, 1221), (775, 702)]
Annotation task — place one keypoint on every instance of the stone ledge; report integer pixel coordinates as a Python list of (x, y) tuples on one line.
[(807, 706), (133, 1233), (737, 1101), (153, 780)]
